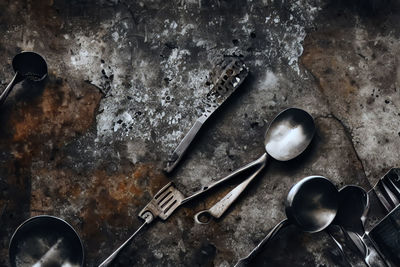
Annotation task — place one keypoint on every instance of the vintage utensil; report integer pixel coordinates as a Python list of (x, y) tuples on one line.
[(385, 235), (351, 216), (169, 198), (311, 204), (233, 73), (27, 65), (287, 136), (388, 189), (45, 241)]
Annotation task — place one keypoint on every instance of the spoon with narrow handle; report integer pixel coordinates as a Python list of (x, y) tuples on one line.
[(351, 216), (287, 136), (27, 65), (311, 204)]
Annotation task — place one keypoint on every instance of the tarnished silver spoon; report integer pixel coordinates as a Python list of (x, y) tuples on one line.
[(288, 135)]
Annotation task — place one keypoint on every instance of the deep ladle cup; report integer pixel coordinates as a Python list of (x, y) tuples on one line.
[(311, 205), (287, 136), (26, 65)]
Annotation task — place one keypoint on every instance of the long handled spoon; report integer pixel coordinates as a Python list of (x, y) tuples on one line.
[(311, 204), (287, 136)]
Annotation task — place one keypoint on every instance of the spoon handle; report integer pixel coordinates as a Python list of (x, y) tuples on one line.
[(221, 206), (10, 86), (245, 261), (337, 243), (260, 161)]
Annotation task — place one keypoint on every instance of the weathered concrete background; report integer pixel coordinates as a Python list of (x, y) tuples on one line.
[(125, 79)]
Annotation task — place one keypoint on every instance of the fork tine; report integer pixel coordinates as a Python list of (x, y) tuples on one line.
[(383, 196), (389, 192), (166, 201), (175, 203)]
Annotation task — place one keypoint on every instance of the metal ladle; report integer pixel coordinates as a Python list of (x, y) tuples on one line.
[(311, 205), (287, 136), (26, 65)]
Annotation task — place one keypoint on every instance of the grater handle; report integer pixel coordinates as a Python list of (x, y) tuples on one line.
[(183, 145)]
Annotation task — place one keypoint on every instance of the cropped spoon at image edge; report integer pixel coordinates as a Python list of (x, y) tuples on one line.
[(26, 65), (287, 136)]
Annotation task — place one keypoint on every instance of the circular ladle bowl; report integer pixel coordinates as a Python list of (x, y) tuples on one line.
[(26, 65), (311, 205), (45, 241)]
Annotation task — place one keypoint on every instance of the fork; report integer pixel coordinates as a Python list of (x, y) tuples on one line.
[(162, 205), (388, 189)]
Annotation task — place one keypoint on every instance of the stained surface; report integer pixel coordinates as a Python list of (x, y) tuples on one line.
[(125, 84)]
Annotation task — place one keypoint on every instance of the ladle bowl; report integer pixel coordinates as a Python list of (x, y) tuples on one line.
[(45, 241), (26, 65), (311, 205)]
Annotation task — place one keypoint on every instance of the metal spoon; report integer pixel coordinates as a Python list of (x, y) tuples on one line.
[(27, 65), (351, 216), (311, 204), (45, 241), (287, 136)]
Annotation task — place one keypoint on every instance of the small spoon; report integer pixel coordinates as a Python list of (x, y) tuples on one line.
[(287, 136), (351, 216), (311, 204), (26, 65)]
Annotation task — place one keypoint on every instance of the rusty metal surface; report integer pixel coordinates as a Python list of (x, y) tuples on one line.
[(125, 79)]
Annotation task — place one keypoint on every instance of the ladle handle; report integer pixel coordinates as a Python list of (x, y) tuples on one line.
[(9, 87), (245, 261), (219, 208), (110, 258)]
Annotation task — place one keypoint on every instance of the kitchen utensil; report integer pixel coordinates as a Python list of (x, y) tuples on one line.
[(26, 65), (45, 241), (351, 215), (311, 204), (233, 73), (287, 136), (388, 189), (169, 198), (162, 205)]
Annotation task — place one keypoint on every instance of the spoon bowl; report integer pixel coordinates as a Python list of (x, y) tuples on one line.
[(27, 65), (30, 66), (289, 134), (311, 205)]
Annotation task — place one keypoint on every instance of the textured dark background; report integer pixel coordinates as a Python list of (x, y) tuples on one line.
[(125, 78)]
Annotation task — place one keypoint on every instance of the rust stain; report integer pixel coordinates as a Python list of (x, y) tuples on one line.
[(327, 56)]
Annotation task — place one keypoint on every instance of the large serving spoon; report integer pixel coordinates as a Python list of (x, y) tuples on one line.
[(287, 136), (311, 204), (26, 65)]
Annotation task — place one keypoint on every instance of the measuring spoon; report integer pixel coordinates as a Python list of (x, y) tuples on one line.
[(311, 204), (26, 65), (287, 136)]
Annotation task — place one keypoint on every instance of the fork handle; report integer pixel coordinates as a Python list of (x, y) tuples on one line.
[(110, 258)]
